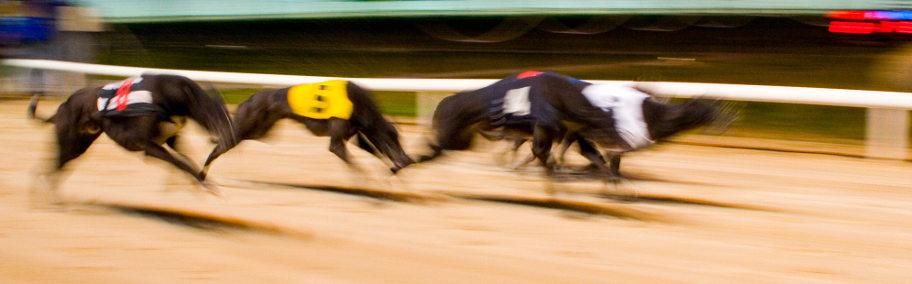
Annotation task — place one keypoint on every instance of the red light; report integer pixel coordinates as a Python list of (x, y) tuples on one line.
[(847, 15), (887, 27), (853, 27), (903, 27)]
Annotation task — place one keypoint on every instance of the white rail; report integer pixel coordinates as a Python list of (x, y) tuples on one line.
[(887, 115), (797, 95)]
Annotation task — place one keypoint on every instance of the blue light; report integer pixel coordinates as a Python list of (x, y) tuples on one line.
[(889, 15)]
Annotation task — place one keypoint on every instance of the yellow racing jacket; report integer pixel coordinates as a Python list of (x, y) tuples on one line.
[(321, 100)]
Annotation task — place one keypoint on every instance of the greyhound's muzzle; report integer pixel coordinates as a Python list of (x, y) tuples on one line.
[(400, 165)]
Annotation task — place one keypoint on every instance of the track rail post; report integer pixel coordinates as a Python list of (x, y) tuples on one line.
[(887, 133)]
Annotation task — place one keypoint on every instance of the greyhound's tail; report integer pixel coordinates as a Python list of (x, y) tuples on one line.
[(32, 107)]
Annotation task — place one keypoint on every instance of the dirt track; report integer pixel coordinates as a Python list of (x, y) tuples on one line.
[(704, 215)]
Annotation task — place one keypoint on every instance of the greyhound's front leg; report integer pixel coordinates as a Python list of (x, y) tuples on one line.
[(337, 146), (338, 134), (589, 150), (172, 143), (542, 138), (338, 130), (615, 159)]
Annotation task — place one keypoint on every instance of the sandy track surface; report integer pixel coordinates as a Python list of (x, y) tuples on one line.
[(291, 212)]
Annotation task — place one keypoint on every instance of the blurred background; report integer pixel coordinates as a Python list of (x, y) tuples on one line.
[(829, 44)]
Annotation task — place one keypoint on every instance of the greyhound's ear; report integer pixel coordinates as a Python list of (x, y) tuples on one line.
[(726, 113), (714, 101), (643, 88), (661, 99), (393, 123)]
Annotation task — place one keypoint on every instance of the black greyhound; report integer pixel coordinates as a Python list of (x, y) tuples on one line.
[(145, 113), (338, 109), (552, 107)]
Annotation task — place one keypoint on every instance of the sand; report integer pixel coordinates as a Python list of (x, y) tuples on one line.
[(291, 212)]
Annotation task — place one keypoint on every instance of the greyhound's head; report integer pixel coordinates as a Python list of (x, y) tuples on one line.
[(688, 115), (385, 138)]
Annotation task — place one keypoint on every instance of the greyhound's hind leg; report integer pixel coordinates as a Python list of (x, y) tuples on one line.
[(542, 138), (72, 142), (513, 152), (339, 133), (251, 125)]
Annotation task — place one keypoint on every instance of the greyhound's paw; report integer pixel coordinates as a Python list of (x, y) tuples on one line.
[(211, 188), (614, 179)]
